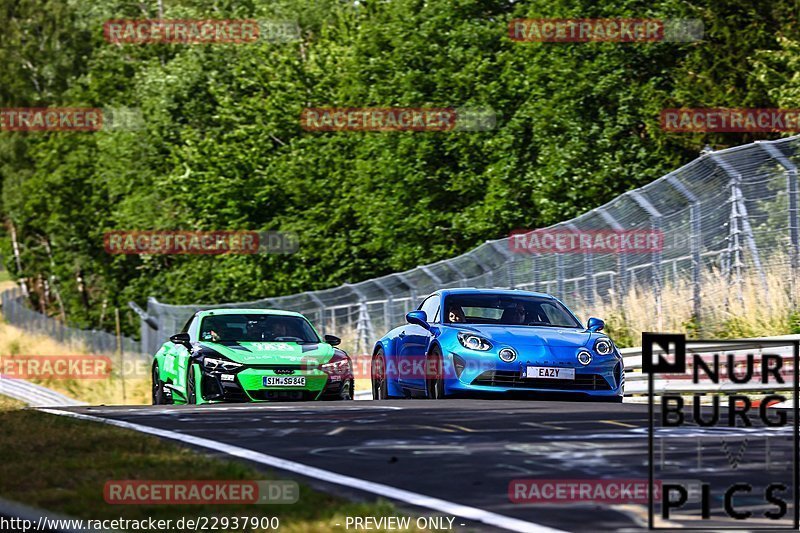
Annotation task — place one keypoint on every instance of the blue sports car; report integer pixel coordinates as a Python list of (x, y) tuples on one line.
[(496, 341)]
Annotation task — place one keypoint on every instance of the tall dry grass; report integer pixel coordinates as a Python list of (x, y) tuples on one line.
[(752, 307), (129, 382)]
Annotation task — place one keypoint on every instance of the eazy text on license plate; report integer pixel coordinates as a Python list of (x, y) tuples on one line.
[(549, 372), (284, 381)]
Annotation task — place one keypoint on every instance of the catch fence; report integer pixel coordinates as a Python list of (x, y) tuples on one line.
[(17, 313), (733, 212)]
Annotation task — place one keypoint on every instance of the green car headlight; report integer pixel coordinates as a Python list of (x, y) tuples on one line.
[(220, 365)]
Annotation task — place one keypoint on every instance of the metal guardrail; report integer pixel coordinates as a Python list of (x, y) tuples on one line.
[(34, 395)]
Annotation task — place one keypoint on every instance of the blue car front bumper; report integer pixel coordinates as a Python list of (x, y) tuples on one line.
[(603, 377)]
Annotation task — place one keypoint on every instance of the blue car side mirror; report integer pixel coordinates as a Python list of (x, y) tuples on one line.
[(595, 324), (419, 318)]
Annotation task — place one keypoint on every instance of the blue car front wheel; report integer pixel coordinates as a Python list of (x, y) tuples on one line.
[(380, 389), (434, 380)]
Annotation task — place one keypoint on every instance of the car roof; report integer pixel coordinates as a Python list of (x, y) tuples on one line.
[(502, 292), (236, 311)]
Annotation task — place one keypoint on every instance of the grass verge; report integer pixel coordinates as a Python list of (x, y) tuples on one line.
[(62, 465), (9, 404)]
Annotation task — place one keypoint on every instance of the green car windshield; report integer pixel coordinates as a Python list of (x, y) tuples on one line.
[(257, 328)]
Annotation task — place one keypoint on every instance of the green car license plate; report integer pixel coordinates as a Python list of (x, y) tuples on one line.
[(284, 381)]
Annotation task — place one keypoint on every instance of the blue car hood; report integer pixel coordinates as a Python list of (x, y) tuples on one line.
[(532, 335)]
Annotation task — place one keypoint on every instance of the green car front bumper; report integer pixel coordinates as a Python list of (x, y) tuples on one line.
[(271, 383)]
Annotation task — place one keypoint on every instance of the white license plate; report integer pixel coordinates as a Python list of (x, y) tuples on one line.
[(549, 372), (284, 381)]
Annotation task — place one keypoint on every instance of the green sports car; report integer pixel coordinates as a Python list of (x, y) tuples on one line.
[(241, 355)]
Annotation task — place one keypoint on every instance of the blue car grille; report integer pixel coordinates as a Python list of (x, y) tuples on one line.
[(512, 379)]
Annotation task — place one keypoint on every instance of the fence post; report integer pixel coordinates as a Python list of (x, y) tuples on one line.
[(120, 353), (387, 304), (734, 262), (794, 227), (462, 278), (738, 200), (695, 243), (437, 281), (387, 313), (320, 309), (364, 330), (622, 261), (591, 282), (534, 271), (559, 275), (487, 271), (509, 257), (588, 270), (655, 225), (412, 289)]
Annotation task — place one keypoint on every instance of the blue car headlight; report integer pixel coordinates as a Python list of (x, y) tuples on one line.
[(474, 342), (603, 346)]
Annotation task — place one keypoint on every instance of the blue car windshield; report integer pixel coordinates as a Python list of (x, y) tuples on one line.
[(507, 310)]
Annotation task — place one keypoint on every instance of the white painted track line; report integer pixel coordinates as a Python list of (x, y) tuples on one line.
[(386, 491)]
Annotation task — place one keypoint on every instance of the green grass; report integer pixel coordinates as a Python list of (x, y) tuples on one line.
[(7, 404), (62, 465)]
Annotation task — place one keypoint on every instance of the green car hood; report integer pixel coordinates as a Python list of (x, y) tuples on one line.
[(272, 353)]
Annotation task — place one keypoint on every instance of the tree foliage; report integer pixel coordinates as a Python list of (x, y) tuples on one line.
[(222, 147)]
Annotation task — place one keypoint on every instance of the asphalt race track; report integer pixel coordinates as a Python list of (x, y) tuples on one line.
[(464, 451)]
